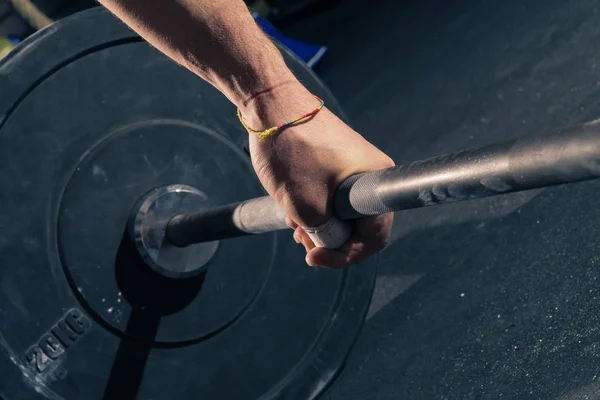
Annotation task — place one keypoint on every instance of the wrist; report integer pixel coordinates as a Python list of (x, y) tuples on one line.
[(277, 105), (254, 76)]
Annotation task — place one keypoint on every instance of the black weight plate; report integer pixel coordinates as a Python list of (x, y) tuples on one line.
[(103, 189), (92, 119)]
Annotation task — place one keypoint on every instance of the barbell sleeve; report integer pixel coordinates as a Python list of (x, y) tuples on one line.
[(571, 155), (250, 217)]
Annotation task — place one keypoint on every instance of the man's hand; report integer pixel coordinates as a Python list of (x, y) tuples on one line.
[(302, 166)]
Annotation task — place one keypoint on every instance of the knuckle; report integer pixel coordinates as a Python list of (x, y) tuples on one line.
[(305, 211)]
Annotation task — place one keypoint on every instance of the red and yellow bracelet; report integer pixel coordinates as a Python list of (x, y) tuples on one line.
[(263, 135)]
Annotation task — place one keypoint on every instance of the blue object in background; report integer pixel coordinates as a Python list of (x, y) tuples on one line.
[(14, 40), (309, 53)]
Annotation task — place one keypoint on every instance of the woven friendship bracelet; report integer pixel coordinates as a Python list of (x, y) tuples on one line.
[(263, 135)]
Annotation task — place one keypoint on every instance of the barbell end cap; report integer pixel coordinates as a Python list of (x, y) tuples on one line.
[(147, 227)]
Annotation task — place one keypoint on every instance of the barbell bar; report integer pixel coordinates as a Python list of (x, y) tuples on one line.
[(568, 156)]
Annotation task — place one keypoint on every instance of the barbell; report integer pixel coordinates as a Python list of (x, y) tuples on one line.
[(140, 254)]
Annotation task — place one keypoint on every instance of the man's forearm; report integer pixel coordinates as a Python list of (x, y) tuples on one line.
[(216, 39)]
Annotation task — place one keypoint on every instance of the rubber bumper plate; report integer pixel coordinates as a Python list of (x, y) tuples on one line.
[(91, 119)]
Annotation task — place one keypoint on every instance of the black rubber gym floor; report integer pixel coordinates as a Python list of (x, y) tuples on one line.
[(494, 298)]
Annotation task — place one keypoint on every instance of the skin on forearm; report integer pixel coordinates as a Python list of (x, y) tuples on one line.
[(216, 39)]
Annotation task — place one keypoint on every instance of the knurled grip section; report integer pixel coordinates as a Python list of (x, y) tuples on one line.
[(359, 196)]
